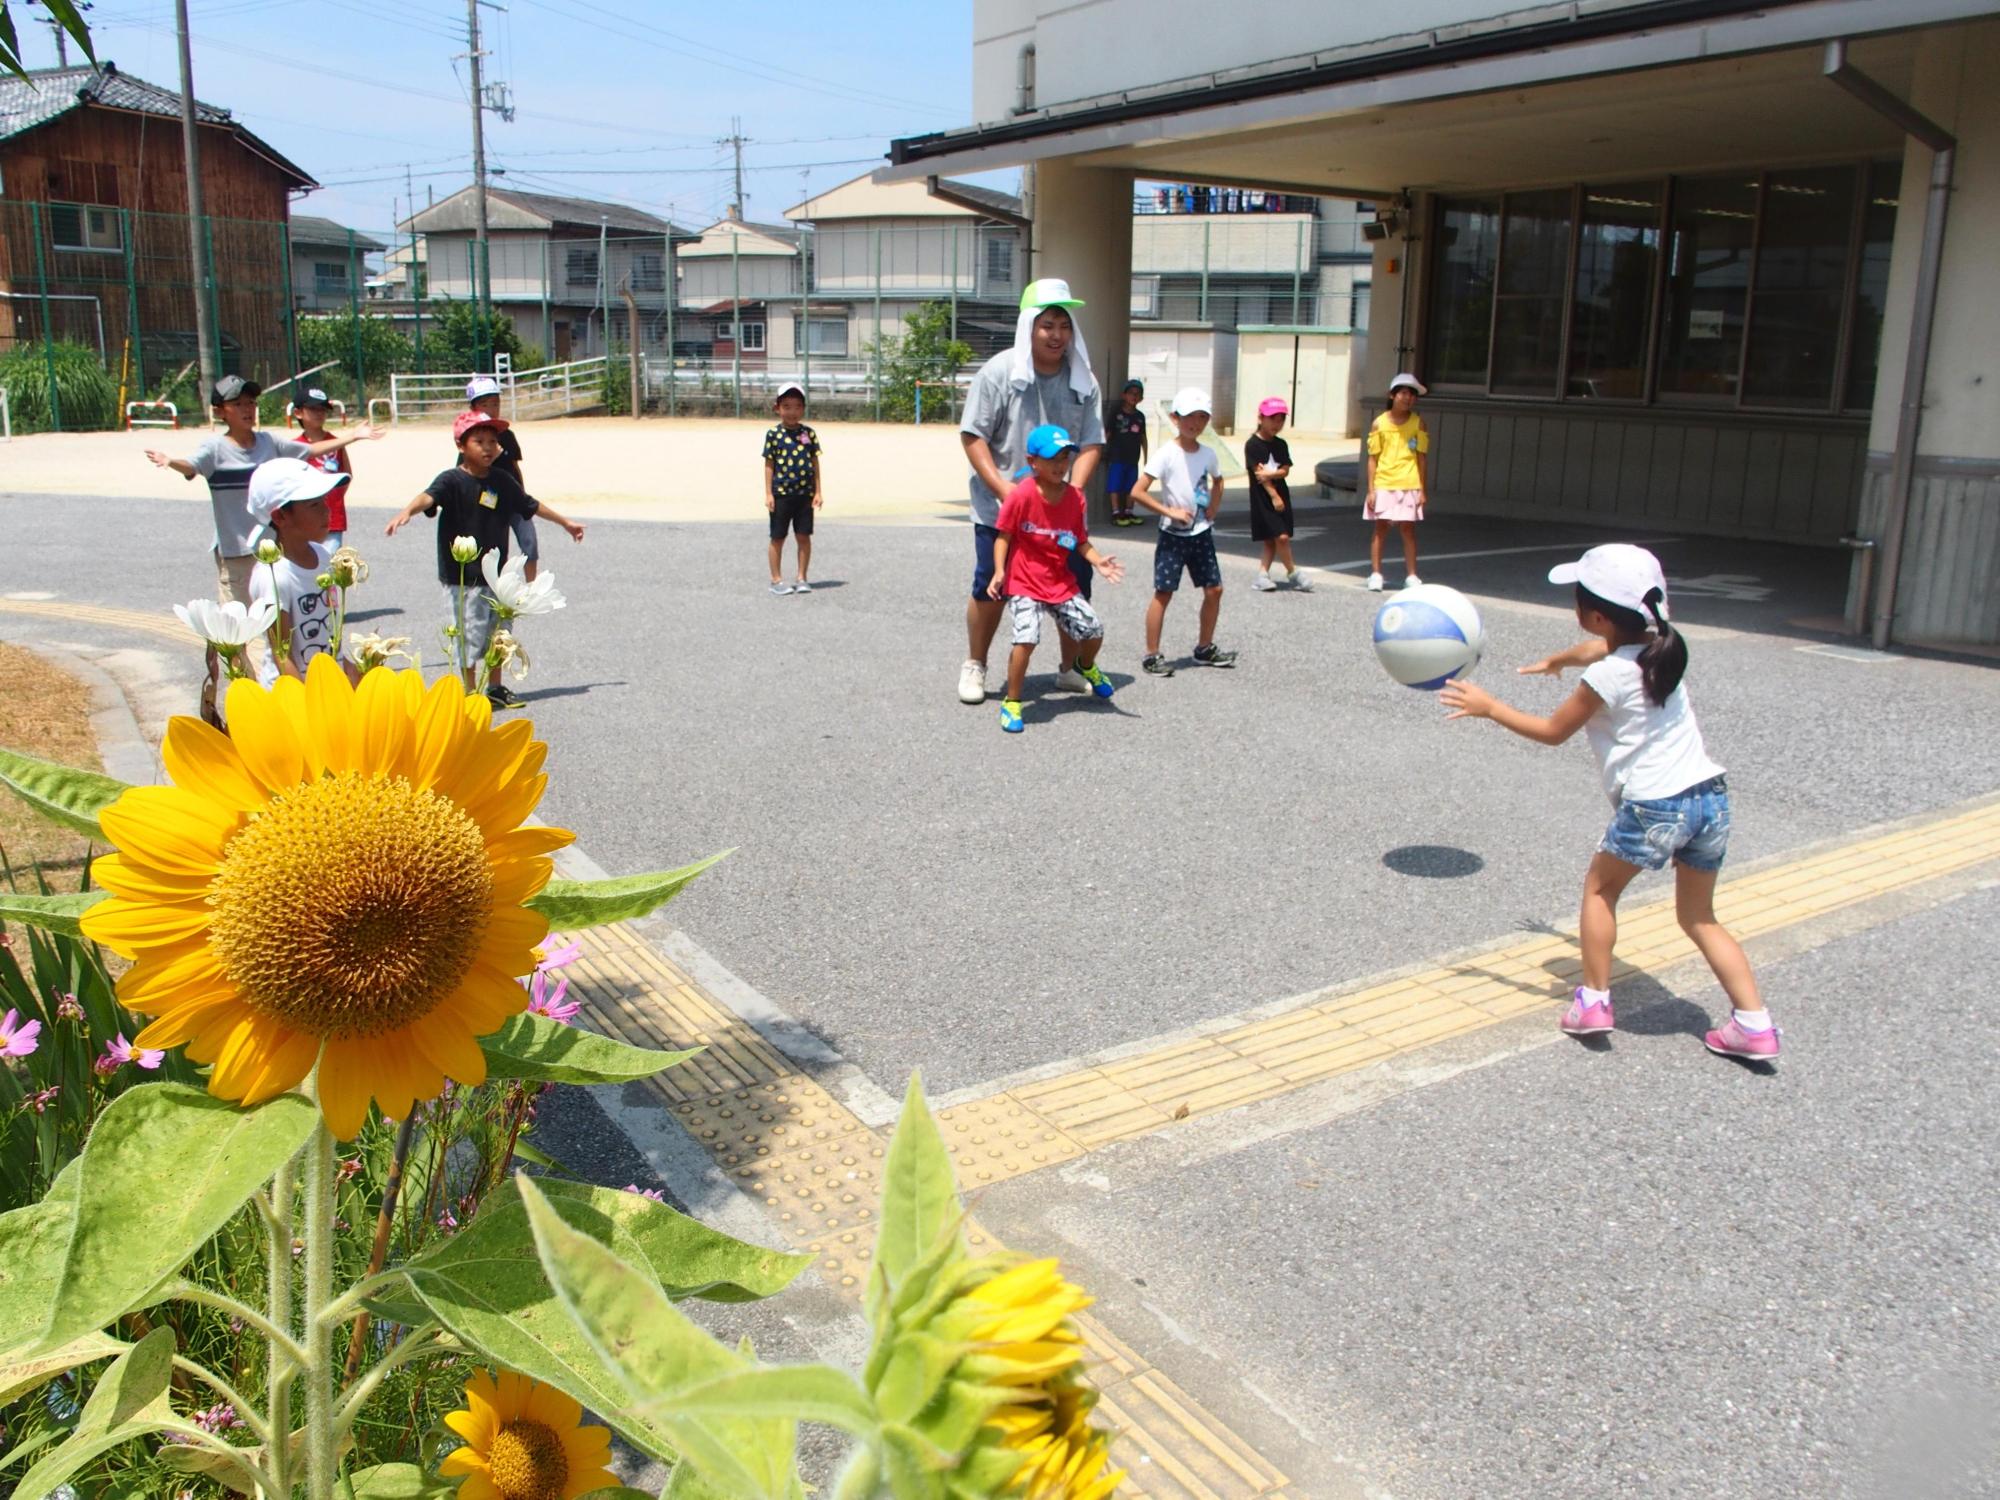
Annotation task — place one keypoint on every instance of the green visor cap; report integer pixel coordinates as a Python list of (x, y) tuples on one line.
[(1050, 291)]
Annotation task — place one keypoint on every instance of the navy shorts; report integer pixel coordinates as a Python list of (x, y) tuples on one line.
[(983, 538), (791, 511), (1195, 553), (1119, 478)]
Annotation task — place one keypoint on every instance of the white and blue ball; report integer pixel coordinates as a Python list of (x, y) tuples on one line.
[(1427, 635)]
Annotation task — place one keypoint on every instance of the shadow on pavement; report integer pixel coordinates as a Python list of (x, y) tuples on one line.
[(1433, 861)]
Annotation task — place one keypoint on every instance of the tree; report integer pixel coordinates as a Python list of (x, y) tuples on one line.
[(457, 337), (925, 350), (384, 347)]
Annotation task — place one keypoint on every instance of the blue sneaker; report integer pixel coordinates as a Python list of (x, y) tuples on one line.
[(1099, 683), (1010, 717)]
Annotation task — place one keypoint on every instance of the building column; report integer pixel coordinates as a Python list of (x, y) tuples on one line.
[(1082, 232), (1948, 591)]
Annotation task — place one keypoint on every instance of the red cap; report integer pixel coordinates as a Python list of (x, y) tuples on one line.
[(467, 420)]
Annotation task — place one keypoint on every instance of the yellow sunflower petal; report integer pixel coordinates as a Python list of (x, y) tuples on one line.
[(441, 726), (183, 1023), (528, 842), (126, 875), (127, 926), (515, 1388), (465, 1460), (479, 1486), (261, 1060), (553, 1409), (350, 1076), (265, 733), (449, 1048), (329, 711), (159, 982), (201, 759), (169, 827), (381, 725), (288, 696)]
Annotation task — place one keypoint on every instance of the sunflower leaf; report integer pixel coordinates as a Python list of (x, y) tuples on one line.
[(573, 904), (809, 1393), (63, 794), (130, 1400), (390, 1482), (656, 1353), (22, 1373), (919, 1193), (31, 1253), (545, 1051), (60, 914), (164, 1169)]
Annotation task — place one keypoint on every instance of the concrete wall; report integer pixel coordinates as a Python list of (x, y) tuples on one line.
[(1309, 369), (1169, 357), (1948, 587), (707, 280), (1276, 243), (1157, 41)]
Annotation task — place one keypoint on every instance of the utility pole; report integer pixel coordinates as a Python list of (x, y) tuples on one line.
[(204, 330), (735, 140), (62, 42), (485, 282)]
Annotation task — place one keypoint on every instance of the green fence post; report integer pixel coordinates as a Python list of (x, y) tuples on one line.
[(48, 346), (673, 296), (954, 274), (132, 309), (805, 323), (210, 291), (1206, 226), (291, 301), (354, 314)]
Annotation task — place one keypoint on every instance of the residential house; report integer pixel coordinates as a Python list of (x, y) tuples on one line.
[(881, 250), (730, 277), (330, 267), (93, 228), (559, 267)]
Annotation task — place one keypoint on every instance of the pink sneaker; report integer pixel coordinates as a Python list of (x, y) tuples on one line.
[(1732, 1040), (1584, 1019)]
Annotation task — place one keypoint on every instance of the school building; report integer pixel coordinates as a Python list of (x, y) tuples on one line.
[(1699, 265)]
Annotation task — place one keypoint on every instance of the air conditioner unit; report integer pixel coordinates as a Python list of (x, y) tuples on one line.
[(1377, 229)]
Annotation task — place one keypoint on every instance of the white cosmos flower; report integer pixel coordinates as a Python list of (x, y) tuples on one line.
[(230, 626), (517, 597), (464, 549)]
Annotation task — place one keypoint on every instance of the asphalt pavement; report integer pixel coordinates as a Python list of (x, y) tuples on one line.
[(1551, 1272)]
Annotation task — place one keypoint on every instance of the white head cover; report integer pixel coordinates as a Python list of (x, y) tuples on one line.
[(481, 385), (1618, 573), (1050, 291), (278, 482)]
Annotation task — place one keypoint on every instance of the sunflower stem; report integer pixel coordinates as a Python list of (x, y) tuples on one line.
[(428, 1340), (458, 613), (279, 1295), (861, 1477), (287, 1352), (319, 1373)]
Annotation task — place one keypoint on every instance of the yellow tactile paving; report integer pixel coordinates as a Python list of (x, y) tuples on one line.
[(160, 624)]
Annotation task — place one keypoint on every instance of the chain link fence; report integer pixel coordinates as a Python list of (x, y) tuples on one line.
[(877, 319)]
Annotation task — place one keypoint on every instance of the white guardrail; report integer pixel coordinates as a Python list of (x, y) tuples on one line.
[(6, 418)]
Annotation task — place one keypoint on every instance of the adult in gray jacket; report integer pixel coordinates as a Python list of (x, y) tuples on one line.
[(1045, 377)]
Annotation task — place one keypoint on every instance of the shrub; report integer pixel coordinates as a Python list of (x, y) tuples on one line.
[(86, 395)]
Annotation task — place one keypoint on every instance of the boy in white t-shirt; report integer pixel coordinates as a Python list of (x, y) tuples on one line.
[(1189, 478), (289, 496)]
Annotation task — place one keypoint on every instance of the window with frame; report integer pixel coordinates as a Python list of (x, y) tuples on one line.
[(1000, 260), (1528, 302), (1801, 282), (329, 276), (826, 336), (1461, 322), (81, 226), (580, 266), (649, 272), (753, 338), (1871, 282), (1611, 292)]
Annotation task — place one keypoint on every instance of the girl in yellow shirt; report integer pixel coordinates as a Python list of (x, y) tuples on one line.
[(1399, 447)]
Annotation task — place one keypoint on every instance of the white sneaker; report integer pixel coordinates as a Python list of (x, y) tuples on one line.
[(802, 587), (1263, 584), (1298, 580), (1374, 583), (1069, 680), (972, 682), (1412, 581)]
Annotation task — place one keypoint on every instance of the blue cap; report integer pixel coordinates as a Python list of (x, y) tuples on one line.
[(1049, 440)]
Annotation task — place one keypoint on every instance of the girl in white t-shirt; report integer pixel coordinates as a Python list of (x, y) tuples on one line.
[(1672, 801)]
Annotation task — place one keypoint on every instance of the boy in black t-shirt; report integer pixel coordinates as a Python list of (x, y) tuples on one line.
[(477, 499), (791, 487), (1269, 460), (482, 394), (1124, 451)]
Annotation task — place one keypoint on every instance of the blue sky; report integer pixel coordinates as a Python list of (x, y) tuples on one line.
[(616, 99)]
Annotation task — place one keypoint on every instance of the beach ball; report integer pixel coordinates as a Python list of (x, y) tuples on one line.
[(1427, 635)]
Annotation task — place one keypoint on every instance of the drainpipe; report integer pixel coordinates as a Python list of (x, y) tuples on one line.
[(1909, 418)]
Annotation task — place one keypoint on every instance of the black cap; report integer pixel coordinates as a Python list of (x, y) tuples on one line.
[(1136, 385), (229, 387), (313, 396)]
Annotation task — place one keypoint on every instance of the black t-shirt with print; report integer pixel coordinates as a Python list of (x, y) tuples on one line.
[(1125, 436), (480, 508), (793, 453), (1257, 452), (510, 453)]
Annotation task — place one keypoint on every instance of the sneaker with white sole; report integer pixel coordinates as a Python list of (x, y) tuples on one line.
[(1374, 583), (1299, 581), (1099, 683), (972, 682), (1585, 1019), (1412, 581), (781, 588), (1213, 656), (1263, 585), (1069, 680), (802, 587), (1732, 1040)]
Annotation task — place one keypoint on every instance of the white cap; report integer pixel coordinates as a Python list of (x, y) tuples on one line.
[(1406, 378), (481, 385), (1618, 573), (278, 482), (1188, 400)]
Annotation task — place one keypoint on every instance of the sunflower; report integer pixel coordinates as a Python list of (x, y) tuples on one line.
[(338, 882), (522, 1442)]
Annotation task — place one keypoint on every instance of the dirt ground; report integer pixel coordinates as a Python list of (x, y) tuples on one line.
[(43, 712), (657, 468)]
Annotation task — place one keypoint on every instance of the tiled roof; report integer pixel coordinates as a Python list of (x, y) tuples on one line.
[(46, 94), (991, 197), (308, 229)]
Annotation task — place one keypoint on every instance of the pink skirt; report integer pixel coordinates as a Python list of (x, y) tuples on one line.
[(1395, 505)]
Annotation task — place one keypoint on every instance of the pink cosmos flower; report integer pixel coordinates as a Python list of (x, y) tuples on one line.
[(545, 999), (69, 1008), (654, 1193), (119, 1052), (17, 1037), (558, 957)]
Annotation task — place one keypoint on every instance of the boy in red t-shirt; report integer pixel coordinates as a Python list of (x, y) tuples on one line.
[(1041, 523), (310, 412)]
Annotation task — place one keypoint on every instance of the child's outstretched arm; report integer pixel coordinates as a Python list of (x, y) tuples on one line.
[(544, 511), (1468, 702), (1582, 654), (408, 513), (179, 465), (367, 432)]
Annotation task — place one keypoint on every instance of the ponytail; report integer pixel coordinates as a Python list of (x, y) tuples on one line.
[(1664, 660)]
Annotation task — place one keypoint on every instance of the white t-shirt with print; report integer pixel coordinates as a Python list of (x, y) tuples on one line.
[(1645, 750), (309, 607), (1185, 481)]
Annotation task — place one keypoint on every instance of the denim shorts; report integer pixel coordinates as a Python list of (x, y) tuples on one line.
[(1690, 828), (1195, 553)]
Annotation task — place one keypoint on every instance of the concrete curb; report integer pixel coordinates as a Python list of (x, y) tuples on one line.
[(122, 747)]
